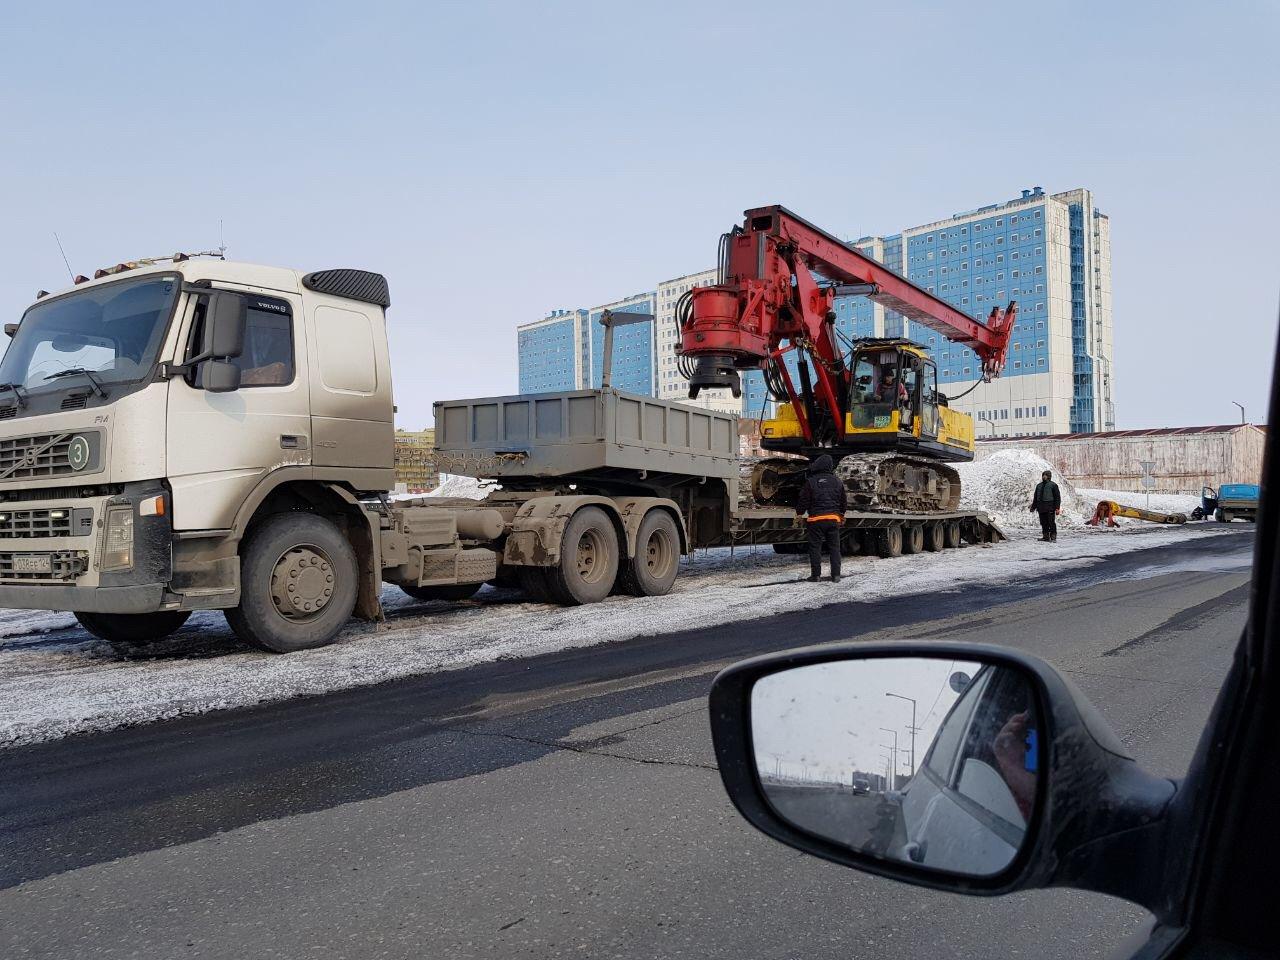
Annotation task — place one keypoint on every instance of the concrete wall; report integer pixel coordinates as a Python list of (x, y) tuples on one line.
[(1185, 461)]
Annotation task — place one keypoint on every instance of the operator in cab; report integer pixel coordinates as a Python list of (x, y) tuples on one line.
[(825, 500)]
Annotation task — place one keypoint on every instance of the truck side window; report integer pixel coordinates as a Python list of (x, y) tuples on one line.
[(267, 360)]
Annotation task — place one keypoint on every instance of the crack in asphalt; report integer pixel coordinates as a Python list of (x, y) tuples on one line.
[(585, 748), (1183, 620)]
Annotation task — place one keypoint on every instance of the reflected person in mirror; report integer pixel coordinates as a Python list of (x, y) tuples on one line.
[(824, 499)]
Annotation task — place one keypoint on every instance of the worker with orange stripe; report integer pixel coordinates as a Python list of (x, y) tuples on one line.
[(824, 499)]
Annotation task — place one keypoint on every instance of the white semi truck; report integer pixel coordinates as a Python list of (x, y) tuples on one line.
[(189, 434)]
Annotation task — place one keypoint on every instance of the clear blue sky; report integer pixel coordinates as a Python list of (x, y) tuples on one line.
[(497, 160)]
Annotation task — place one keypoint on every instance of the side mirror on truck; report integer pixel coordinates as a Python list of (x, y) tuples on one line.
[(221, 340), (219, 376)]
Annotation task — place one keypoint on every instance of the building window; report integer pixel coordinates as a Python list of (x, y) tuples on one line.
[(1044, 411)]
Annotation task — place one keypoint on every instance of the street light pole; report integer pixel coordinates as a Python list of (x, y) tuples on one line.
[(913, 728), (1241, 406)]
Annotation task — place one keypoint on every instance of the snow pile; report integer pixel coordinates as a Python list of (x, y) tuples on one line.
[(1002, 485), (455, 485)]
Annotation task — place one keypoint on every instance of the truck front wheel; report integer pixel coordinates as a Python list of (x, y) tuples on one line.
[(652, 571), (588, 563), (132, 629), (297, 584)]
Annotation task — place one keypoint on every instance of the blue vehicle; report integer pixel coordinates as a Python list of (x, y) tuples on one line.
[(1230, 501)]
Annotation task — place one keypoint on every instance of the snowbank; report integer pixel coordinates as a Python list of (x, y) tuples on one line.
[(1002, 484)]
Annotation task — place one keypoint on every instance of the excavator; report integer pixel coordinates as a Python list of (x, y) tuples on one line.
[(872, 404)]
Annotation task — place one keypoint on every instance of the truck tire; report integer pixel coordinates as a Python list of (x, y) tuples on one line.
[(889, 541), (588, 563), (851, 543), (913, 538), (952, 534), (297, 584), (1222, 516), (934, 537), (652, 571), (459, 591), (790, 549), (125, 630)]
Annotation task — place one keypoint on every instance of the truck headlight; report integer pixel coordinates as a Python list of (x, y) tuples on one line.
[(117, 551)]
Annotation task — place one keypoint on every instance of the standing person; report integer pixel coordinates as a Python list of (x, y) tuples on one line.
[(1047, 501), (825, 500)]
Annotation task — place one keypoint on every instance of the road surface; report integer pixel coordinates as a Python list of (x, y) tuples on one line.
[(568, 804)]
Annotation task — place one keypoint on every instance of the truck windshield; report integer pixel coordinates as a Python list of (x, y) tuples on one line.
[(113, 330)]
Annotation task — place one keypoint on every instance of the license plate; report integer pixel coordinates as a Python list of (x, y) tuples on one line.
[(33, 563)]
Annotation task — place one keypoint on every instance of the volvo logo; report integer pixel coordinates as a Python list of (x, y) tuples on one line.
[(78, 453)]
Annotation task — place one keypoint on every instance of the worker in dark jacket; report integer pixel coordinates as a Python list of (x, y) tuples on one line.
[(824, 499), (1047, 501)]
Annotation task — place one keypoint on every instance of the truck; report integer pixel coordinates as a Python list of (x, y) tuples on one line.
[(1231, 500), (188, 433)]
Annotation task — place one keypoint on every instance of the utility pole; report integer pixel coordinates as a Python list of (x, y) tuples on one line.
[(1241, 406), (895, 754), (913, 728)]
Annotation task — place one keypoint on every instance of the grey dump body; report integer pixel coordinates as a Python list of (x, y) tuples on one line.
[(603, 437)]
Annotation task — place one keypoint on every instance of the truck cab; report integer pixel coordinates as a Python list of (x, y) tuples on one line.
[(153, 416)]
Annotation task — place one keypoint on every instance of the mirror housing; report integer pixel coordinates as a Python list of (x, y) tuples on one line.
[(1098, 824), (219, 376), (224, 325)]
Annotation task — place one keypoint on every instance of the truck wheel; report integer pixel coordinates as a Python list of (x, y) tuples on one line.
[(889, 541), (133, 629), (460, 591), (652, 571), (934, 537), (952, 534), (1221, 517), (588, 559), (297, 584)]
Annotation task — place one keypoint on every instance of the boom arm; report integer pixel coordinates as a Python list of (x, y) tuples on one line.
[(768, 295)]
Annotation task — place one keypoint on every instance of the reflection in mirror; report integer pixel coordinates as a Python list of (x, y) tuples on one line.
[(933, 762)]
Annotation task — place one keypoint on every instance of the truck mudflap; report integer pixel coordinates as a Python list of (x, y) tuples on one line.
[(134, 598)]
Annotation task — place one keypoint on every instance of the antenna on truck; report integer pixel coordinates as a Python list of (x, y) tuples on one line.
[(70, 272)]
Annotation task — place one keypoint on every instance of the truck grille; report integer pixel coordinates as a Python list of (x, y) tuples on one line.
[(63, 565), (40, 456), (36, 523)]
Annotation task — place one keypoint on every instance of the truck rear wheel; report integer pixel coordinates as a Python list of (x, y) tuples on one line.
[(889, 541), (133, 629), (913, 538), (952, 534), (588, 563), (459, 591), (652, 571), (297, 584), (934, 537)]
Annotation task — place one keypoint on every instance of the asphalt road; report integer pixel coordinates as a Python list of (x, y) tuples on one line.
[(566, 805)]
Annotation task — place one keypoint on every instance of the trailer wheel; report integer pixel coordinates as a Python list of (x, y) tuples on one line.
[(934, 537), (951, 533), (588, 563), (790, 549), (889, 541), (652, 571), (851, 543), (459, 591), (297, 584), (126, 630), (913, 538)]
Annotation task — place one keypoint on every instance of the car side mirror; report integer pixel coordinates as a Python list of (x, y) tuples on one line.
[(1013, 780), (224, 326), (219, 376)]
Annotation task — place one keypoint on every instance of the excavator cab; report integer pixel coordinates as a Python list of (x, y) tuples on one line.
[(893, 395)]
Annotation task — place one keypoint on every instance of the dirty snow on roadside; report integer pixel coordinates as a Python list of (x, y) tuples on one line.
[(57, 680)]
